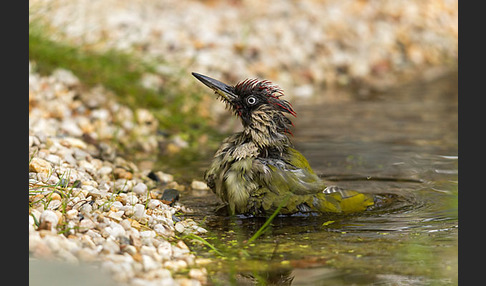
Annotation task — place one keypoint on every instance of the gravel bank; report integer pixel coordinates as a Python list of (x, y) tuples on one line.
[(301, 45), (87, 203)]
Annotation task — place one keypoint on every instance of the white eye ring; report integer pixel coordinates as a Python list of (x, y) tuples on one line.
[(251, 100)]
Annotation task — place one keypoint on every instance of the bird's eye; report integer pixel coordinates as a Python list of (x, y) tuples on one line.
[(251, 100)]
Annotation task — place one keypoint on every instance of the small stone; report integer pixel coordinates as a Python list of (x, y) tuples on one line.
[(86, 254), (144, 116), (116, 215), (151, 81), (175, 265), (54, 159), (152, 204), (161, 230), (199, 274), (110, 246), (87, 166), (70, 126), (304, 91), (65, 76), (149, 263), (170, 196), (135, 224), (182, 245), (198, 185), (95, 193), (121, 173), (85, 225), (130, 200), (163, 177), (86, 209), (179, 227), (39, 165), (126, 224), (139, 211), (149, 250), (164, 249), (140, 189), (68, 158), (80, 154), (33, 141), (39, 247), (55, 196), (115, 230), (135, 239), (123, 185), (71, 214), (54, 205), (130, 249), (73, 142), (105, 170), (147, 234), (48, 220)]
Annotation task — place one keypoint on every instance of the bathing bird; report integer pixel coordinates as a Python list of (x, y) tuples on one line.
[(258, 170)]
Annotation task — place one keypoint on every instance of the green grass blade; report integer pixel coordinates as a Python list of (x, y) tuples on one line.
[(205, 242), (264, 227)]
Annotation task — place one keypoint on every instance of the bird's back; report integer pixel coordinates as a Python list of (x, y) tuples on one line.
[(289, 177)]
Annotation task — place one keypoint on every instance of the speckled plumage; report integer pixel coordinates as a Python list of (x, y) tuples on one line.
[(255, 169)]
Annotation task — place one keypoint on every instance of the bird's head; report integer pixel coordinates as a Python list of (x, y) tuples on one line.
[(256, 102)]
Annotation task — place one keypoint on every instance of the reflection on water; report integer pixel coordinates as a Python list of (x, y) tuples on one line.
[(404, 142)]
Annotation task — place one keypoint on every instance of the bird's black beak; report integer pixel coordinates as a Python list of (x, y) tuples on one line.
[(220, 88)]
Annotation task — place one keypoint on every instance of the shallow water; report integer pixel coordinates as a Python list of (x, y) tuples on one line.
[(403, 141)]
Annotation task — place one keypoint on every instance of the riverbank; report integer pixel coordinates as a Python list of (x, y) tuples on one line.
[(87, 203)]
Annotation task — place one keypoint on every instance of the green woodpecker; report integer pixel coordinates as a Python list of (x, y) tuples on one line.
[(257, 170)]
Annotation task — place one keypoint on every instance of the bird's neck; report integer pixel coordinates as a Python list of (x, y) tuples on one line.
[(268, 131)]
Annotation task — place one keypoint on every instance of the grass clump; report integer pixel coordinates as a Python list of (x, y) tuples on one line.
[(175, 104)]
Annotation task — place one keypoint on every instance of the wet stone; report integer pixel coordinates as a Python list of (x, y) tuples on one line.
[(170, 196)]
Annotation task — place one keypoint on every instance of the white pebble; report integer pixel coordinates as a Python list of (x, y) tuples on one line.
[(123, 185), (105, 170), (54, 205), (165, 250), (116, 215), (86, 209), (139, 211), (147, 234), (48, 220), (71, 214), (130, 200), (110, 246), (86, 224), (115, 230), (179, 227), (161, 230), (149, 263), (199, 185), (140, 189), (152, 204)]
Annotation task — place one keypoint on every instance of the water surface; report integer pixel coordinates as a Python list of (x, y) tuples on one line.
[(402, 141)]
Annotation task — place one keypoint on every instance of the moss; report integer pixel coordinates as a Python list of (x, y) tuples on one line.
[(174, 105)]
